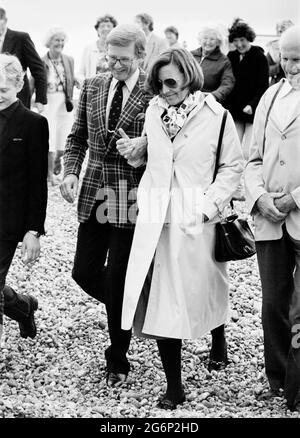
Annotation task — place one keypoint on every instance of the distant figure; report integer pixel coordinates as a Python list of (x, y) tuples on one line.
[(60, 84), (172, 35), (93, 58), (23, 189), (275, 70), (155, 44), (21, 45), (251, 72), (216, 67)]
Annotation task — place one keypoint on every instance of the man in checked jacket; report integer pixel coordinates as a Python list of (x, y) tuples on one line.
[(108, 101)]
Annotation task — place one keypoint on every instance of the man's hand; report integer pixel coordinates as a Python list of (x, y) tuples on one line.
[(39, 106), (267, 209), (247, 110), (285, 204), (69, 188), (30, 248)]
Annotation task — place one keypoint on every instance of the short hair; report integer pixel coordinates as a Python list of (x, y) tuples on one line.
[(146, 19), (2, 13), (282, 25), (173, 30), (124, 34), (240, 29), (104, 19), (53, 32), (11, 69), (216, 30), (191, 70)]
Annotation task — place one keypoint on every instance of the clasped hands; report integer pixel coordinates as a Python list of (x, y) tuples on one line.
[(275, 206), (132, 149)]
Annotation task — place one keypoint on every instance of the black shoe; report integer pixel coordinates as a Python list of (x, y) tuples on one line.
[(217, 361), (214, 365), (27, 325), (165, 403), (115, 379)]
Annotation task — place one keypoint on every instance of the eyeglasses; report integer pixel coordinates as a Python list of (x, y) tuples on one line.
[(170, 83), (112, 60)]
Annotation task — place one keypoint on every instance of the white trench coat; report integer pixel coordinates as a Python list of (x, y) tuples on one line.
[(189, 289)]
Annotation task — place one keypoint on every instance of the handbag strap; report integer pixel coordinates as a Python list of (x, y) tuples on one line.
[(220, 144), (268, 114), (58, 75)]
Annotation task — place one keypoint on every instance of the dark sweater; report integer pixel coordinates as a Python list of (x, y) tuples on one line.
[(252, 80), (217, 71)]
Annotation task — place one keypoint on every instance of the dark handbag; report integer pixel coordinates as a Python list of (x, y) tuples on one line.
[(69, 106), (234, 238)]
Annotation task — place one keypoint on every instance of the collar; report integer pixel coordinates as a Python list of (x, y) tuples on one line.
[(8, 112), (215, 54), (286, 89), (130, 82), (2, 36)]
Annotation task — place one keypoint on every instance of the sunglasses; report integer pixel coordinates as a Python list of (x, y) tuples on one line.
[(170, 83)]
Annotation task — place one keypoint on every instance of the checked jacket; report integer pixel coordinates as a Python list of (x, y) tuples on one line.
[(106, 168)]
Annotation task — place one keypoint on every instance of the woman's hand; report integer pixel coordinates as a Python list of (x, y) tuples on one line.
[(132, 148)]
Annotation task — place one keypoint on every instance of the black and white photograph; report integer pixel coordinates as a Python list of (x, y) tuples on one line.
[(149, 212)]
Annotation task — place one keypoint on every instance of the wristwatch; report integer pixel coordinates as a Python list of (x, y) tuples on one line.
[(34, 233)]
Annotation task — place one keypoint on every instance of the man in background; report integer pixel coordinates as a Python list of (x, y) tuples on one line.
[(21, 45), (272, 183)]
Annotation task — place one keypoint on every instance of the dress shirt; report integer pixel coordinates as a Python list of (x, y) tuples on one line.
[(127, 89), (5, 115)]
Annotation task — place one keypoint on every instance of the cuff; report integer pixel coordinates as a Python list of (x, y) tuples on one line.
[(296, 196)]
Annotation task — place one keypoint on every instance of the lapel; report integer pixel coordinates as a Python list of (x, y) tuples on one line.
[(284, 125), (99, 102), (7, 43), (13, 126), (134, 105)]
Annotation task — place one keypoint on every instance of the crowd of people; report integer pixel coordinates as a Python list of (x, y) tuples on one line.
[(148, 119)]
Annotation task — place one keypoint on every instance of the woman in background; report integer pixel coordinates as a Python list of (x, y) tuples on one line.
[(251, 72), (216, 67), (60, 84), (93, 58)]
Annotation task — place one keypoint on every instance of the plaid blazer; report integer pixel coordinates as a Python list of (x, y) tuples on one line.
[(106, 169)]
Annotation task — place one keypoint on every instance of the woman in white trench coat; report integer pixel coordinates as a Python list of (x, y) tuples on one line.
[(174, 288)]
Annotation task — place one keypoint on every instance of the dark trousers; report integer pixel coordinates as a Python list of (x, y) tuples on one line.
[(279, 266), (14, 305), (95, 243)]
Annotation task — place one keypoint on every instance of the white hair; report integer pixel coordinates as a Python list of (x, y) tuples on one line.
[(53, 32), (219, 30)]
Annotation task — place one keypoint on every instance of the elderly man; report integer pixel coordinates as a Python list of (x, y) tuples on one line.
[(155, 44), (21, 45), (108, 102), (272, 181), (23, 189)]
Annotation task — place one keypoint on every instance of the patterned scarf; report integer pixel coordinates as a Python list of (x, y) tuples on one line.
[(174, 117)]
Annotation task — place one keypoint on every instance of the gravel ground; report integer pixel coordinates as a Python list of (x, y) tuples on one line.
[(61, 372)]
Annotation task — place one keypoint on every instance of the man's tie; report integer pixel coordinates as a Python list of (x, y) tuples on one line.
[(115, 108)]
